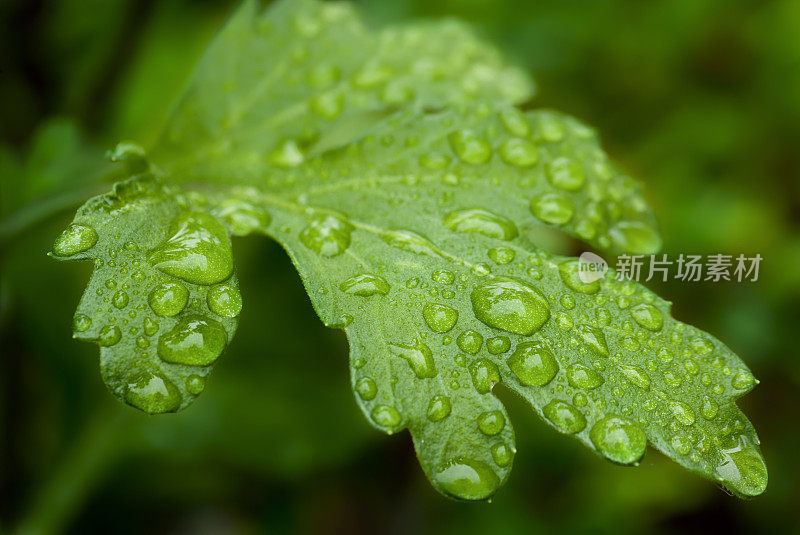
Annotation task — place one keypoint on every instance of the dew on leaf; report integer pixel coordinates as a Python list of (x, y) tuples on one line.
[(366, 388), (109, 335), (328, 105), (467, 479), (502, 255), (743, 380), (635, 236), (77, 238), (510, 305), (411, 242), (519, 152), (594, 339), (470, 148), (365, 285), (195, 340), (484, 375), (443, 276), (566, 174), (682, 412), (386, 416), (533, 364), (243, 218), (469, 341), (120, 299), (195, 384), (198, 250), (440, 318), (564, 416), (224, 300), (583, 377), (502, 454), (648, 316), (439, 408), (515, 123), (619, 439), (635, 375), (81, 323), (740, 466), (150, 327), (482, 222), (327, 235), (498, 344), (168, 299), (491, 422), (418, 356), (569, 271), (286, 154), (553, 208), (153, 394)]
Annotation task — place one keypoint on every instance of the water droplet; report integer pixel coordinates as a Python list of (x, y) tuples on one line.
[(502, 454), (566, 174), (481, 221), (195, 340), (648, 316), (743, 380), (502, 255), (366, 388), (594, 339), (471, 148), (109, 335), (224, 300), (709, 409), (533, 364), (741, 467), (519, 152), (491, 422), (635, 237), (120, 299), (484, 374), (619, 439), (440, 318), (198, 250), (467, 479), (635, 375), (153, 394), (439, 408), (150, 327), (243, 218), (515, 123), (418, 356), (682, 412), (564, 416), (552, 208), (510, 305), (77, 238), (386, 416), (443, 276), (328, 105), (195, 384), (470, 341), (411, 242), (498, 344), (327, 234), (286, 154), (435, 161), (365, 285), (81, 323), (584, 377), (569, 272), (168, 299)]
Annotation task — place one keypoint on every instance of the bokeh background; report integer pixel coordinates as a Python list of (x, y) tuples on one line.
[(700, 99)]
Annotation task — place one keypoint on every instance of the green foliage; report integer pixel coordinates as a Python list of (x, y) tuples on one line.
[(408, 190)]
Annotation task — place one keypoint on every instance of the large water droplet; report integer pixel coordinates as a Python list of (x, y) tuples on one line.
[(619, 439), (439, 408), (552, 208), (635, 237), (533, 364), (153, 394), (224, 300), (471, 148), (365, 285), (491, 422), (564, 416), (440, 318), (510, 305), (569, 271), (195, 340), (411, 242), (648, 316), (467, 479), (418, 356), (582, 376), (484, 374), (741, 467), (566, 174), (168, 299), (327, 234), (470, 341), (77, 238), (519, 152), (198, 250), (481, 221)]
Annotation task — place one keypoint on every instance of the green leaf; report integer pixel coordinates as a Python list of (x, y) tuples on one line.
[(414, 228)]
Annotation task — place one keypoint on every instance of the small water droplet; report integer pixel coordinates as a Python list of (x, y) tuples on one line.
[(566, 174), (109, 335), (502, 255), (569, 272), (498, 344), (81, 323), (168, 299), (365, 285), (635, 375), (584, 377), (709, 409), (366, 388), (77, 238), (635, 237), (386, 416), (648, 316), (491, 422), (440, 318), (327, 235), (519, 152), (533, 364), (411, 242), (470, 341), (224, 300), (418, 356), (552, 208), (470, 148), (682, 412), (195, 384), (439, 408), (484, 374), (594, 339), (120, 299), (564, 416)]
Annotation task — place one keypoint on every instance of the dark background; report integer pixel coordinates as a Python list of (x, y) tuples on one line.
[(698, 98)]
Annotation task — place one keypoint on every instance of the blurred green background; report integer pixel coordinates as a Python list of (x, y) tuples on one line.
[(698, 98)]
